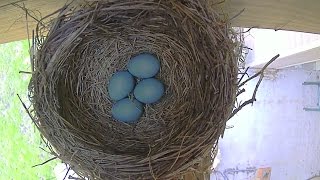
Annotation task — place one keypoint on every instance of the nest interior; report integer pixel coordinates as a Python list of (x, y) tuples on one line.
[(77, 51)]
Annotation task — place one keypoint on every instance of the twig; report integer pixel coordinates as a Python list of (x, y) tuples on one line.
[(150, 166), (52, 153), (28, 33), (65, 176), (229, 126), (253, 98), (27, 110), (75, 178), (247, 48), (25, 72), (45, 150), (248, 30), (243, 74), (250, 101), (261, 71), (14, 23), (28, 13), (282, 26), (257, 86), (238, 14), (45, 162), (32, 51), (11, 3), (240, 92), (220, 2)]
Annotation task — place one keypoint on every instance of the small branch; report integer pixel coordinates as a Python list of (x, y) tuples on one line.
[(217, 3), (11, 3), (32, 51), (229, 126), (247, 48), (240, 92), (243, 74), (27, 12), (27, 110), (65, 176), (261, 71), (45, 150), (75, 178), (248, 30), (45, 162), (257, 86), (250, 101), (282, 26), (253, 98), (25, 72), (238, 14)]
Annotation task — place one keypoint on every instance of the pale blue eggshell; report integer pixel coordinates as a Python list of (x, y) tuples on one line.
[(144, 65), (127, 110), (149, 91), (120, 85)]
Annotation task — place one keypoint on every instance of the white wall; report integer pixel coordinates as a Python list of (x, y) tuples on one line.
[(267, 43), (275, 132)]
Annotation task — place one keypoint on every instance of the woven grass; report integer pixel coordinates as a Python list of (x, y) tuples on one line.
[(77, 51)]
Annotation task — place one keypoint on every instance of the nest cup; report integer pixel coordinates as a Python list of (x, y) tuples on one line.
[(77, 51)]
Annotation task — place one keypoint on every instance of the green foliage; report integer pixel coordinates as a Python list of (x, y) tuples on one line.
[(19, 139)]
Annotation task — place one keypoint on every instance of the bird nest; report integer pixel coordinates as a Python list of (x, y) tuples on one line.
[(76, 51)]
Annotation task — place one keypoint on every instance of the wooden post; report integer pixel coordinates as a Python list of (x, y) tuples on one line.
[(296, 15)]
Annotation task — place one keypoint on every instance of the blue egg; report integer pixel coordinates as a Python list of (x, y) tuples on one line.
[(127, 110), (149, 91), (121, 85), (144, 65)]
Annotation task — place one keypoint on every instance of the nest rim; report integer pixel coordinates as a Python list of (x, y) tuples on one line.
[(176, 141)]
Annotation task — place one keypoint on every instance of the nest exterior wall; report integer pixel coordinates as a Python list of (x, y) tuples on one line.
[(76, 53)]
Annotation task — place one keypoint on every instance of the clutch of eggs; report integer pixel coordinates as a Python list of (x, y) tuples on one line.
[(148, 90)]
